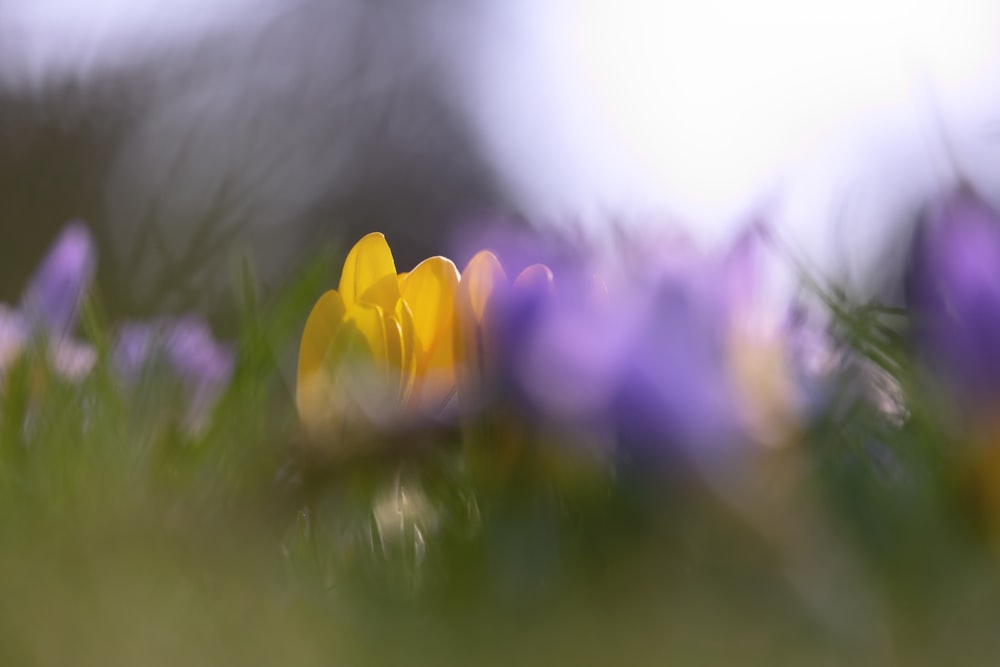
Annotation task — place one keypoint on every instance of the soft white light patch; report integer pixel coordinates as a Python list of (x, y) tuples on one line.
[(712, 96), (704, 109)]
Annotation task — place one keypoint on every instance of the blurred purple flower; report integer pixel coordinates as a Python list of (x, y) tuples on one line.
[(649, 362), (675, 390), (565, 352), (186, 348), (684, 357), (955, 294), (52, 299), (51, 303)]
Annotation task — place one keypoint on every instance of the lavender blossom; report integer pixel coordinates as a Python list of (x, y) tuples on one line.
[(647, 363), (675, 390), (187, 349), (564, 351), (53, 297), (51, 303), (955, 295), (686, 357)]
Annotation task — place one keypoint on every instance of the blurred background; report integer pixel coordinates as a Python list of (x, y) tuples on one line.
[(191, 134), (188, 133)]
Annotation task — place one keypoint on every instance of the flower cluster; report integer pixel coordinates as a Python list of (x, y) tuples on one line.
[(50, 306), (49, 312), (681, 355)]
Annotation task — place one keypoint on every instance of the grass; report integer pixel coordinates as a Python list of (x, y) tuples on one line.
[(127, 540)]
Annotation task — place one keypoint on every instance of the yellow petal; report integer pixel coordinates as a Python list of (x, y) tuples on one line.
[(393, 342), (536, 276), (312, 384), (321, 327), (429, 291), (363, 336), (369, 274), (408, 366), (312, 398), (398, 347), (363, 385)]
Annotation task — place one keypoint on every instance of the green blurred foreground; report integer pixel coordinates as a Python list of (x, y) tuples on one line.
[(126, 540)]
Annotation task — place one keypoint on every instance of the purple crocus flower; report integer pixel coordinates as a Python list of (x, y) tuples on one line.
[(689, 356), (955, 295), (675, 390), (565, 350), (51, 303), (54, 295), (647, 363), (187, 349)]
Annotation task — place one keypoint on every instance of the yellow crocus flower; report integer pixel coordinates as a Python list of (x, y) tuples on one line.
[(380, 345)]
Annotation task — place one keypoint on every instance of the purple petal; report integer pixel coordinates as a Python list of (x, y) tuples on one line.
[(185, 345), (188, 351), (206, 366), (53, 296), (743, 266), (956, 294), (650, 361), (566, 348), (675, 390), (195, 355)]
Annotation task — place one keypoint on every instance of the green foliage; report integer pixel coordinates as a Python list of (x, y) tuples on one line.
[(127, 539)]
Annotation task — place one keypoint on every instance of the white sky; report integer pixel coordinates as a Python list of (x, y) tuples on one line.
[(705, 108)]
